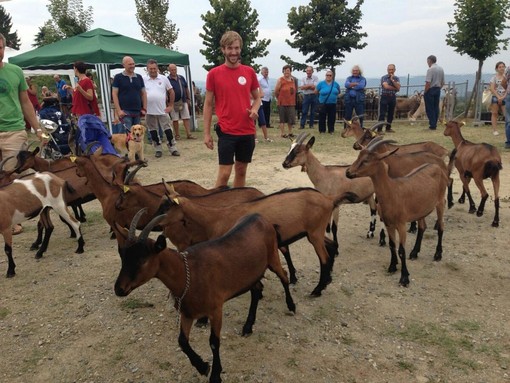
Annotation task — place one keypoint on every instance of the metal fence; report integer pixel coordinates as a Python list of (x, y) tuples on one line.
[(454, 98)]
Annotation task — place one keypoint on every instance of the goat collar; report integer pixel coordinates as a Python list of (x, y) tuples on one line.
[(178, 300)]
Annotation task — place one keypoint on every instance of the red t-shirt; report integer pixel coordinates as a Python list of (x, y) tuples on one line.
[(232, 89), (80, 104)]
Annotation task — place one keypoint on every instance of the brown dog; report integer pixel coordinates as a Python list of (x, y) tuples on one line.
[(132, 143)]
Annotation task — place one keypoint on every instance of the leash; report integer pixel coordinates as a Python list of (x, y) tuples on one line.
[(186, 287)]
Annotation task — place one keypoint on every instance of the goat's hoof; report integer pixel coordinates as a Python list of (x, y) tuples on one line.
[(382, 243), (79, 251), (370, 234), (438, 257), (392, 269), (293, 280), (413, 256), (495, 224), (461, 200), (404, 281), (316, 292), (204, 368), (479, 213), (247, 331), (10, 274), (38, 256), (472, 210), (450, 205), (34, 246), (72, 235), (83, 219)]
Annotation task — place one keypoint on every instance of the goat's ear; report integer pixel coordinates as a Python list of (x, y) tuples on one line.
[(310, 143), (387, 154), (73, 158), (463, 123), (121, 234), (160, 244)]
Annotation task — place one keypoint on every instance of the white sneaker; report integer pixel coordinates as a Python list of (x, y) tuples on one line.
[(496, 133), (269, 140)]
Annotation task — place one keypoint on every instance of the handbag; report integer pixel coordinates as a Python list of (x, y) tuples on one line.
[(178, 105), (486, 97)]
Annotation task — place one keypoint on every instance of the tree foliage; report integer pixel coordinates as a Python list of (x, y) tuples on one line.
[(234, 15), (12, 39), (156, 28), (68, 18), (325, 30), (477, 31)]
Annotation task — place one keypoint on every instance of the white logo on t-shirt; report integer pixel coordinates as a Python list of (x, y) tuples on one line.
[(241, 80)]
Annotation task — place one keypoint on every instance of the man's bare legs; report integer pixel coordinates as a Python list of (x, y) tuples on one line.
[(224, 171)]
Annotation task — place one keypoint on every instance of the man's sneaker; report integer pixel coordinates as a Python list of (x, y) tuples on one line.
[(158, 154), (269, 140), (176, 153)]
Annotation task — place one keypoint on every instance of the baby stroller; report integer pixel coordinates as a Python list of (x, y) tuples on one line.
[(58, 130), (90, 130)]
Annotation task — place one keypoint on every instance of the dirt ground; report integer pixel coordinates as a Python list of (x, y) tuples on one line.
[(60, 320)]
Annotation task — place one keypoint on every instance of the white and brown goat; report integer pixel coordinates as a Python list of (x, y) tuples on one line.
[(26, 198)]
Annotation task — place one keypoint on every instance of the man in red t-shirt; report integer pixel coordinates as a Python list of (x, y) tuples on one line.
[(235, 90)]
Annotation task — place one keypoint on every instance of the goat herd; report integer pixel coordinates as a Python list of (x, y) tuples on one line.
[(237, 232)]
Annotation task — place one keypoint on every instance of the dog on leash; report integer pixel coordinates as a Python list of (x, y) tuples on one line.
[(130, 143)]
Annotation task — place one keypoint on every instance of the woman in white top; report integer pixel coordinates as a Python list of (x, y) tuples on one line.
[(498, 90)]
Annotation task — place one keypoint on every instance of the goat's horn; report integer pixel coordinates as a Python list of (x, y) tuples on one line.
[(148, 228), (376, 142), (89, 147), (377, 126), (301, 137), (129, 177), (455, 119), (134, 224), (4, 161), (348, 122)]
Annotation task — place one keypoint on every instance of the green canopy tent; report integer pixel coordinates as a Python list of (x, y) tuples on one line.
[(103, 50)]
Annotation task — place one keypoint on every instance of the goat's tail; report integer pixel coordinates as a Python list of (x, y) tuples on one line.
[(68, 191), (491, 169), (347, 197), (451, 160)]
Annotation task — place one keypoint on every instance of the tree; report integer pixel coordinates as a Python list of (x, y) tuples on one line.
[(325, 30), (156, 28), (476, 32), (12, 39), (68, 18), (234, 15)]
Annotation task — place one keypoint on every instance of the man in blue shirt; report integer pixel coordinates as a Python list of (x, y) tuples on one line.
[(128, 93), (390, 85)]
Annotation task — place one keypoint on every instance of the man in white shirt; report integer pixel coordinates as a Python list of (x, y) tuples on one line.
[(160, 101), (266, 94), (307, 86)]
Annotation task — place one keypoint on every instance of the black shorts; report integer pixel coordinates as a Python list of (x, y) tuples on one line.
[(232, 147)]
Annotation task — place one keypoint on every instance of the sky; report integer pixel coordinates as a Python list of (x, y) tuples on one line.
[(400, 32)]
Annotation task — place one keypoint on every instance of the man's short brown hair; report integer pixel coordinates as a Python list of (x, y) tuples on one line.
[(229, 37)]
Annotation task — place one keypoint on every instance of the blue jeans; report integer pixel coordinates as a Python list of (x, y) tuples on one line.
[(357, 103), (131, 118), (507, 120), (309, 103), (432, 105)]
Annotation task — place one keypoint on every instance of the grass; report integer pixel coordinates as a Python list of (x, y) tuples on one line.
[(134, 303), (455, 341), (3, 312)]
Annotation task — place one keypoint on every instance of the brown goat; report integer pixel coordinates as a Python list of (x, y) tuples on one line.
[(297, 213), (100, 170), (404, 199), (196, 277), (330, 180), (364, 136), (476, 161)]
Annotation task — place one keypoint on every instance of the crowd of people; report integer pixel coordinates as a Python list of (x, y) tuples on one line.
[(240, 99)]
